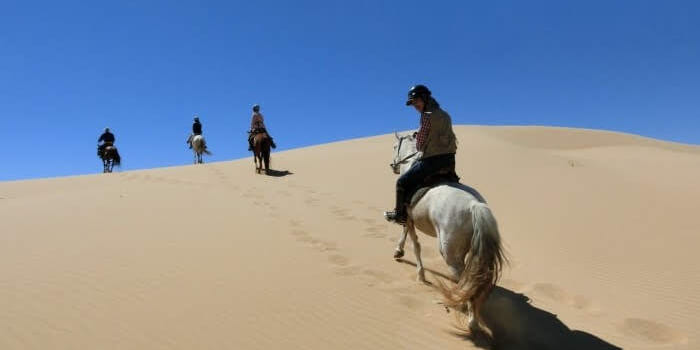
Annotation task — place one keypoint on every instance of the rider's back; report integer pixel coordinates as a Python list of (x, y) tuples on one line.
[(107, 137), (441, 139)]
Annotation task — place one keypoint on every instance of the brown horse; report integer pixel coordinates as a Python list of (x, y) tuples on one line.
[(261, 152), (110, 158)]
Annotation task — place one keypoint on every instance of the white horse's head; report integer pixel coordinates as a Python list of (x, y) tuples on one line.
[(405, 152)]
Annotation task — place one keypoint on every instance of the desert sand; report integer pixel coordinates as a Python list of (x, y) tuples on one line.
[(601, 229)]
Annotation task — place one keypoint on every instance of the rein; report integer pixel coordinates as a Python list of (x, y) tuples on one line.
[(405, 159)]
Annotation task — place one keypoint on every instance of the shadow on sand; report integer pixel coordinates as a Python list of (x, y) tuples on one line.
[(278, 173), (517, 325)]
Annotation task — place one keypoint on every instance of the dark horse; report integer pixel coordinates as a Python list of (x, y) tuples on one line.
[(261, 151), (110, 158)]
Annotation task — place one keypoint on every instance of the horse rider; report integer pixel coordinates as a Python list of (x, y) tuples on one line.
[(196, 130), (106, 139), (257, 125), (436, 144)]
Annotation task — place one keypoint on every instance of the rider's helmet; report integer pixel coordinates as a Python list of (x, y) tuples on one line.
[(256, 108), (107, 130), (418, 91), (196, 119)]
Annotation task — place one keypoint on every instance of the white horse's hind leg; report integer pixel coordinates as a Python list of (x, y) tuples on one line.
[(398, 253), (416, 250)]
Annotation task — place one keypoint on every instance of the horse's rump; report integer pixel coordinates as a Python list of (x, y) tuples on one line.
[(199, 144), (111, 153), (261, 138)]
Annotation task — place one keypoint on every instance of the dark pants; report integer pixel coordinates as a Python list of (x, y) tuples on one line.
[(410, 181)]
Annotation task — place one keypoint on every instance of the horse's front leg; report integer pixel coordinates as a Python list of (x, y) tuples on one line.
[(416, 250), (398, 253)]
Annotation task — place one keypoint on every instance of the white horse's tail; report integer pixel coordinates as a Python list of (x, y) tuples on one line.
[(483, 264)]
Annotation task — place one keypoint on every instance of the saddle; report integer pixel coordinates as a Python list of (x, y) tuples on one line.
[(103, 147), (443, 176)]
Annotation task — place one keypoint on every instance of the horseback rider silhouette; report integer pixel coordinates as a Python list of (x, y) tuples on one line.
[(257, 125), (436, 144), (196, 130), (106, 139)]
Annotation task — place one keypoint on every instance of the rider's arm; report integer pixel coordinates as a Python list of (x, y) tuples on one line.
[(423, 132)]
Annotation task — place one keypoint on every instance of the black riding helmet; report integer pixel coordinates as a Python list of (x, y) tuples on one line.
[(418, 91)]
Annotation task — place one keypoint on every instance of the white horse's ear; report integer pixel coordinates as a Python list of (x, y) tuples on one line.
[(396, 133)]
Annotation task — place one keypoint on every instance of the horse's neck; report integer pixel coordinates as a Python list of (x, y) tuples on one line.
[(406, 166)]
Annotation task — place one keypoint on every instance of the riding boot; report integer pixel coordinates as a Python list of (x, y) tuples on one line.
[(399, 214), (272, 143)]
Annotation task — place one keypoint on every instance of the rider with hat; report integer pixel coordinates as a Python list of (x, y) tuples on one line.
[(436, 144), (196, 130), (257, 125)]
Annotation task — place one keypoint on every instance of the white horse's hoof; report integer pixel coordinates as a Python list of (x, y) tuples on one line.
[(421, 277), (398, 254)]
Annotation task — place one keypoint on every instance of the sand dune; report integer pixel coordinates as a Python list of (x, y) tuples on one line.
[(601, 229)]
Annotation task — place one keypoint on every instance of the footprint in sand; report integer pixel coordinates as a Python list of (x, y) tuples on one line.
[(323, 246), (651, 331), (409, 301), (374, 235), (338, 259), (348, 271), (311, 201), (375, 232), (342, 214), (338, 210), (220, 175), (298, 232), (294, 223), (305, 239), (379, 276), (574, 163)]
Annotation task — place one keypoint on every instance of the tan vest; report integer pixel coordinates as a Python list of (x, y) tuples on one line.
[(441, 139)]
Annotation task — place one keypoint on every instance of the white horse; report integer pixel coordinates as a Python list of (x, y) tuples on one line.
[(199, 146), (467, 235)]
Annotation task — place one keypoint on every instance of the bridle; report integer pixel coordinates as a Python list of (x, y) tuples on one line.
[(395, 164)]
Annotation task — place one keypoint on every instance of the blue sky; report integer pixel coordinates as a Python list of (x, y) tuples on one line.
[(329, 70)]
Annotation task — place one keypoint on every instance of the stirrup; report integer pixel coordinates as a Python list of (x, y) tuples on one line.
[(395, 216)]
